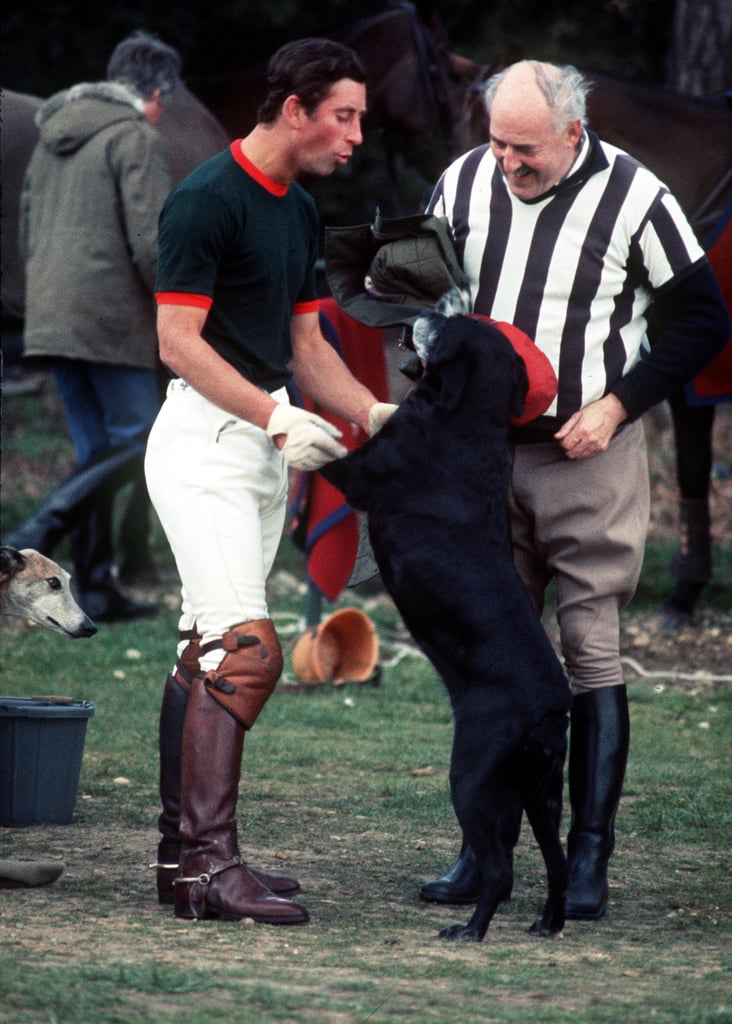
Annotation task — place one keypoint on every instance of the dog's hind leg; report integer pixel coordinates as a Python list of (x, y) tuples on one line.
[(495, 855), (489, 810), (544, 810), (477, 926)]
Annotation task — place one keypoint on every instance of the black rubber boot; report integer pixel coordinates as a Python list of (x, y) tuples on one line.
[(459, 885), (172, 716), (598, 755), (136, 563), (91, 552)]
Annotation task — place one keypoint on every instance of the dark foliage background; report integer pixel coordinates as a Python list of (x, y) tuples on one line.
[(48, 46)]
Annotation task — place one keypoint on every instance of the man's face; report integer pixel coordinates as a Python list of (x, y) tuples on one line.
[(331, 133), (532, 154)]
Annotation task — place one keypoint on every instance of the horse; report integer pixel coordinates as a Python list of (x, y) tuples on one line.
[(17, 140), (656, 125), (413, 91), (412, 94), (687, 142), (408, 79)]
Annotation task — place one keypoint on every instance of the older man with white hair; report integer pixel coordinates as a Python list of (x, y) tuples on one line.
[(577, 244)]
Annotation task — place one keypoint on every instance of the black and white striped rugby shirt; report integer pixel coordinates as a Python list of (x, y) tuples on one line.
[(576, 268)]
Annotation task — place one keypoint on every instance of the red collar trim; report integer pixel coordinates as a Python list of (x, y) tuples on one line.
[(274, 187)]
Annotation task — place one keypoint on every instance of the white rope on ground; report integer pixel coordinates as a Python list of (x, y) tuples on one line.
[(289, 623), (691, 677), (401, 651)]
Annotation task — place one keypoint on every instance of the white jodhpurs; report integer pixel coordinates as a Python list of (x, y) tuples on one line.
[(219, 487)]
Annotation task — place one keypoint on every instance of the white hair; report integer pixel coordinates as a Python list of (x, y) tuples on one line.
[(563, 86)]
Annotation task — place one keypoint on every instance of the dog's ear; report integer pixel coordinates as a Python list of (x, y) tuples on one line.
[(453, 377), (520, 386), (449, 362), (11, 562)]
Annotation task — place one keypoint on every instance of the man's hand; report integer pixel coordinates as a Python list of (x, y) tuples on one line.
[(379, 413), (589, 431), (309, 440)]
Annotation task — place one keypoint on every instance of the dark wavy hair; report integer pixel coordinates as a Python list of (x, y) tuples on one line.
[(307, 68), (144, 63)]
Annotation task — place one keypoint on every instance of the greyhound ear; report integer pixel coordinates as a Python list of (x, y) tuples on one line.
[(520, 386), (11, 562)]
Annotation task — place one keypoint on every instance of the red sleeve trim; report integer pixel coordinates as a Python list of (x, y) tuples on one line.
[(183, 299), (313, 306)]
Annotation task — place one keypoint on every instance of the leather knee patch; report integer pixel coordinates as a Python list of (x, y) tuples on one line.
[(249, 670)]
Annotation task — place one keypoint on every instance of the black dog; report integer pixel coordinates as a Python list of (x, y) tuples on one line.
[(434, 483)]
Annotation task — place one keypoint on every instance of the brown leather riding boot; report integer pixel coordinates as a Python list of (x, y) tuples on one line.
[(214, 881), (172, 715)]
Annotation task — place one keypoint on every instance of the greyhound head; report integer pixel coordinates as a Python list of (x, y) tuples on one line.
[(37, 589)]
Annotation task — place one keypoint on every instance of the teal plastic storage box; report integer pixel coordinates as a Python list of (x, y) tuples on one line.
[(41, 746)]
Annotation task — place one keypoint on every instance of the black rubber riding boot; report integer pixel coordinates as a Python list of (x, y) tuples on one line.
[(459, 885), (172, 716), (598, 755), (91, 552)]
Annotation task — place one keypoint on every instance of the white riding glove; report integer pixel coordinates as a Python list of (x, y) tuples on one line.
[(311, 440), (379, 413)]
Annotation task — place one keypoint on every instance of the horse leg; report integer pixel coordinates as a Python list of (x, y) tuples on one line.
[(691, 566)]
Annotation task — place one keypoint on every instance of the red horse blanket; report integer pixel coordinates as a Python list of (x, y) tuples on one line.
[(324, 525), (714, 383)]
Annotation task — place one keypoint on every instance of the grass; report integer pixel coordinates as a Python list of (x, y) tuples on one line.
[(350, 788), (347, 788)]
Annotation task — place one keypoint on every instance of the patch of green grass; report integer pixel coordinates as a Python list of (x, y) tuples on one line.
[(333, 777)]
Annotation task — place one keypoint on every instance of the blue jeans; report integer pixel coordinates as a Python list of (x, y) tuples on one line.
[(106, 406)]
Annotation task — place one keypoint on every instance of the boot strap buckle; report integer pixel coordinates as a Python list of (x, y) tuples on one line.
[(206, 877)]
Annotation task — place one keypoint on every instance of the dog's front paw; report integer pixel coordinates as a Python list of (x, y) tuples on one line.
[(543, 931), (460, 933)]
